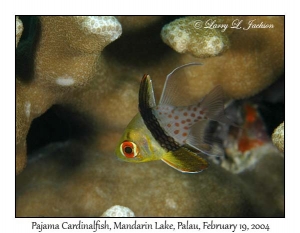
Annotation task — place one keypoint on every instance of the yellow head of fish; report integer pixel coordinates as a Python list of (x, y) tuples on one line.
[(137, 143)]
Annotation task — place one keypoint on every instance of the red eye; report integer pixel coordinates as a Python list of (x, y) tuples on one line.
[(128, 149)]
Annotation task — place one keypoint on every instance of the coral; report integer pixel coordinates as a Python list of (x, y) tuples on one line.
[(118, 211), (71, 179), (69, 59), (63, 63), (19, 30), (76, 90), (190, 35), (278, 137)]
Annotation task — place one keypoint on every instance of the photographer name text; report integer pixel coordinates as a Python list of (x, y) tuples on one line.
[(235, 24)]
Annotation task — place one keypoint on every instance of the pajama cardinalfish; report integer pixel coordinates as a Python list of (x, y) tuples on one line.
[(170, 131)]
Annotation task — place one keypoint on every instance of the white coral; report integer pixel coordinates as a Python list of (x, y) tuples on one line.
[(278, 137), (118, 211), (183, 36), (178, 39), (214, 45), (19, 29), (107, 26)]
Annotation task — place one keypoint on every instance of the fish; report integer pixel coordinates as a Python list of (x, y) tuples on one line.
[(254, 134), (172, 131)]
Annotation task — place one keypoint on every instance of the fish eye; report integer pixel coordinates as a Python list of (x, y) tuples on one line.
[(129, 149)]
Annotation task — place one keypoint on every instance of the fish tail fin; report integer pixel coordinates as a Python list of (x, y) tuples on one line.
[(213, 106), (202, 141)]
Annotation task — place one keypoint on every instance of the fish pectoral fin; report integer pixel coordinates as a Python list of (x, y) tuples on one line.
[(185, 161)]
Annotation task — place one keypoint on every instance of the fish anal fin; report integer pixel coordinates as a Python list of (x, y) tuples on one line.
[(185, 161), (202, 141)]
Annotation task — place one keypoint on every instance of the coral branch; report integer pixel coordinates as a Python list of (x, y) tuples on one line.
[(19, 30), (278, 137), (190, 35), (65, 60)]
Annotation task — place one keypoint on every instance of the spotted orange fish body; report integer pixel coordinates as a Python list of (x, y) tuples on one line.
[(170, 131)]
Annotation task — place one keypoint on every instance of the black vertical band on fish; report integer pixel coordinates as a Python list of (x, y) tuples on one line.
[(166, 141)]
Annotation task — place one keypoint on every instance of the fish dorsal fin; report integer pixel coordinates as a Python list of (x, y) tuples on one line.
[(200, 140), (146, 93), (185, 161), (175, 84)]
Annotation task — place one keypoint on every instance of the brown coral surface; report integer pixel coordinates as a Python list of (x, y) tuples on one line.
[(76, 92), (72, 179)]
